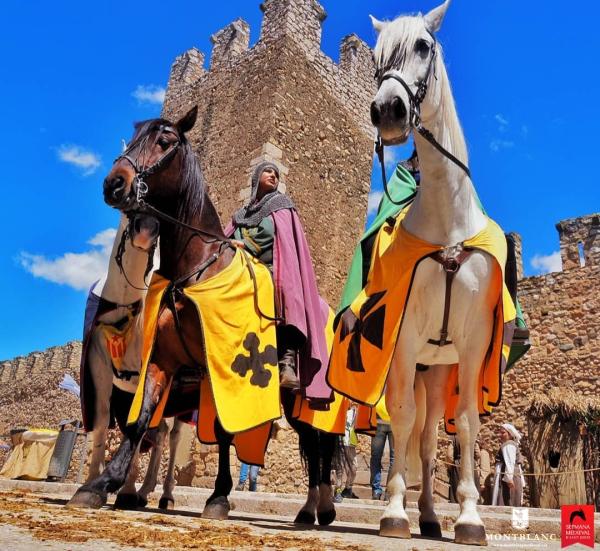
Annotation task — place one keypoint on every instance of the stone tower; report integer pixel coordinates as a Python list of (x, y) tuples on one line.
[(286, 101)]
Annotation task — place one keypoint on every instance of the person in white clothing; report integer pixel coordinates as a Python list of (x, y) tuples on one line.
[(508, 479)]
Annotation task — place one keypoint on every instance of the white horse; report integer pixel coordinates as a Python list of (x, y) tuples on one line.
[(122, 291), (445, 212)]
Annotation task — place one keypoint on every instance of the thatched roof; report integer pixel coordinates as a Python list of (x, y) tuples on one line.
[(567, 405)]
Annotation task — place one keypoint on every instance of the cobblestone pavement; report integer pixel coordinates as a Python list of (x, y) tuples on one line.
[(41, 522)]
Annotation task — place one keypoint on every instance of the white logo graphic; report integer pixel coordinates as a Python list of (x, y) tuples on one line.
[(520, 518)]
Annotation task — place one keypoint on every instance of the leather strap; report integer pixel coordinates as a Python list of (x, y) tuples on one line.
[(105, 306), (124, 375), (451, 266)]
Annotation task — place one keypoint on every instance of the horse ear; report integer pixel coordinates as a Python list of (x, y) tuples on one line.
[(377, 25), (433, 20), (187, 122)]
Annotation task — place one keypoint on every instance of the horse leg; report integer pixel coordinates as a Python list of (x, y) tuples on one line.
[(308, 442), (401, 405), (101, 374), (469, 528), (156, 454), (94, 494), (99, 436), (167, 501), (327, 445), (217, 505), (127, 498), (434, 380)]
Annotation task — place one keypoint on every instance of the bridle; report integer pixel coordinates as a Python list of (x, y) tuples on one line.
[(139, 187), (415, 99), (136, 203), (127, 232)]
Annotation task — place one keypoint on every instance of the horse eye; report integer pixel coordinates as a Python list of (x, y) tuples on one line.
[(422, 47), (164, 143)]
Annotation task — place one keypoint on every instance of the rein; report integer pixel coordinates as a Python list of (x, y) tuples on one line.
[(416, 99), (119, 260)]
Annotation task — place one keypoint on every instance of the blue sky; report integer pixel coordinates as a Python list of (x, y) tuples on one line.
[(77, 74)]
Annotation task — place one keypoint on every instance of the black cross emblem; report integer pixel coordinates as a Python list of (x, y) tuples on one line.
[(369, 326), (255, 361)]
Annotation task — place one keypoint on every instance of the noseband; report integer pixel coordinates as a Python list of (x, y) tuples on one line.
[(415, 99)]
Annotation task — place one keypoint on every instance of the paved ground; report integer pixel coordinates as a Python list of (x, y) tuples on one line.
[(39, 521)]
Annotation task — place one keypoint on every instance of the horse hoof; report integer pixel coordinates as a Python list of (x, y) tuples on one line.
[(304, 517), (217, 509), (394, 528), (326, 517), (142, 501), (430, 529), (127, 502), (86, 499), (166, 503), (470, 534)]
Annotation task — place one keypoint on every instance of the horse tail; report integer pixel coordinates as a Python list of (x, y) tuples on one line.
[(413, 450)]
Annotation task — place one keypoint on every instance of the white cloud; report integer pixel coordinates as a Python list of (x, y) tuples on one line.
[(77, 270), (75, 155), (502, 121), (104, 238), (497, 145), (374, 200), (547, 263), (391, 158), (149, 94)]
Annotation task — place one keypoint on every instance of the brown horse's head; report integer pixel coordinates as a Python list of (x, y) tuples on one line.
[(151, 167)]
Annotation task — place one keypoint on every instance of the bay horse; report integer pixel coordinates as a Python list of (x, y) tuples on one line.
[(160, 166), (113, 336), (414, 96)]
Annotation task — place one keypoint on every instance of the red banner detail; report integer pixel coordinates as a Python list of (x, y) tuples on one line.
[(577, 525), (116, 347)]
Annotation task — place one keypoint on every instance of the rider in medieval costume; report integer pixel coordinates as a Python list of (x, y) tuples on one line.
[(269, 228), (508, 476)]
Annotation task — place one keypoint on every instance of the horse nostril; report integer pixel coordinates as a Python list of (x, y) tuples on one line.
[(114, 186), (398, 108), (375, 114)]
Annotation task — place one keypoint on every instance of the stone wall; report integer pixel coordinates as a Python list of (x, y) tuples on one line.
[(562, 310)]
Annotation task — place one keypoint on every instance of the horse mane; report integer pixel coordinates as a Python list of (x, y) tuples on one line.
[(394, 49)]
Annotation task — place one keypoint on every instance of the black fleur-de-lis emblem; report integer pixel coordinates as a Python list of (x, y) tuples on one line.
[(255, 361), (369, 326)]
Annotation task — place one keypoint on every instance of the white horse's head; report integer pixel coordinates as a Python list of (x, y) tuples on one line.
[(405, 56)]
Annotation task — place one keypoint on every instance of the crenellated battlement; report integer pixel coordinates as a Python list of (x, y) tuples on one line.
[(187, 69), (580, 241), (299, 20), (229, 43), (287, 25)]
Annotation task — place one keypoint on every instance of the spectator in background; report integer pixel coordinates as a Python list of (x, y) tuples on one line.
[(508, 479), (383, 434), (246, 469)]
